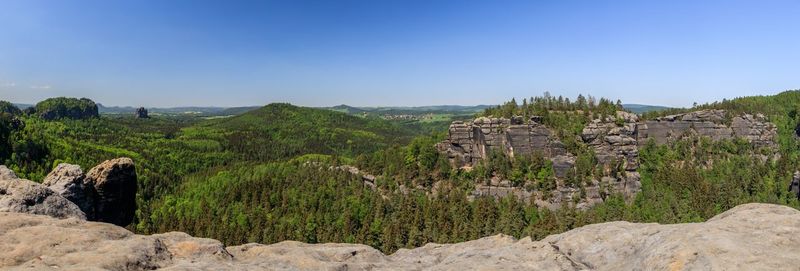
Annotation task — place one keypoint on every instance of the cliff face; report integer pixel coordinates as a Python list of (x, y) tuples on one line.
[(725, 242), (471, 142), (709, 123), (614, 139)]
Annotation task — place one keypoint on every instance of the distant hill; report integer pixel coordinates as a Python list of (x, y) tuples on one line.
[(283, 130), (347, 109), (188, 110), (22, 106), (432, 108), (643, 108)]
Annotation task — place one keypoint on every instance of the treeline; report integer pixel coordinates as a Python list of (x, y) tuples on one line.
[(250, 178), (544, 105), (309, 202), (280, 131)]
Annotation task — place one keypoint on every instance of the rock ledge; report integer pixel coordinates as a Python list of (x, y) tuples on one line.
[(748, 237)]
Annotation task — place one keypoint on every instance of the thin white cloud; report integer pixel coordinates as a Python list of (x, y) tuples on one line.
[(41, 87), (8, 85)]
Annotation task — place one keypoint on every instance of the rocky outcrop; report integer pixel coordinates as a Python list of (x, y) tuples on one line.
[(6, 173), (66, 108), (615, 140), (115, 184), (474, 141), (709, 123), (794, 185), (725, 242), (9, 108), (24, 196), (141, 113), (107, 193), (68, 181)]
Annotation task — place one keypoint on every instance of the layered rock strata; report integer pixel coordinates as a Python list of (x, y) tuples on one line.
[(614, 139), (709, 123)]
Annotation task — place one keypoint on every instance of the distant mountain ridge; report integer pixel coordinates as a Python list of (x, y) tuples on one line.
[(189, 110), (644, 108), (411, 110), (227, 111)]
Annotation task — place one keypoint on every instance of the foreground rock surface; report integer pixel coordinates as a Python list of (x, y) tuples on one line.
[(748, 237)]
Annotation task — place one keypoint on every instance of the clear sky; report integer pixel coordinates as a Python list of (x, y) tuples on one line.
[(385, 52)]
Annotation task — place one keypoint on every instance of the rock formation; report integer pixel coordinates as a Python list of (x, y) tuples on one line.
[(709, 123), (6, 173), (794, 186), (141, 113), (615, 145), (107, 193), (614, 139), (749, 237), (24, 196), (115, 183), (472, 142), (66, 108), (68, 181)]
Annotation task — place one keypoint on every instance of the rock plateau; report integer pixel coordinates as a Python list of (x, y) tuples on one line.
[(748, 237)]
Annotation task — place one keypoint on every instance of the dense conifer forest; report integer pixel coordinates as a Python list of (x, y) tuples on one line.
[(276, 173)]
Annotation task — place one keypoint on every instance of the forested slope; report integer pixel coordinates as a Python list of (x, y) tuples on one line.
[(273, 174)]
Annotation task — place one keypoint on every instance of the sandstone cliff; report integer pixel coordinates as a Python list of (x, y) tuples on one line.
[(107, 193), (748, 237), (615, 141)]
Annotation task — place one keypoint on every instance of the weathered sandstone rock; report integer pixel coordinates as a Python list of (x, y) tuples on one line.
[(24, 196), (709, 123), (794, 186), (115, 183), (615, 140), (748, 237), (68, 181), (107, 193), (474, 141), (6, 173)]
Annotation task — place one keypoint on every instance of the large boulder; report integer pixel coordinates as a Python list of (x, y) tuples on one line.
[(24, 196), (69, 181), (66, 108), (107, 193), (115, 184), (794, 186)]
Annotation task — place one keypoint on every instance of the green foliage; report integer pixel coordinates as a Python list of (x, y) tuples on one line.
[(282, 130), (9, 108), (545, 105), (62, 107), (272, 174)]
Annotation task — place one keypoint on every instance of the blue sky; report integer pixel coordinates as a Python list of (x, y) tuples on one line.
[(384, 52)]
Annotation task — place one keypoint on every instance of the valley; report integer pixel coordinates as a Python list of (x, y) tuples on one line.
[(532, 169)]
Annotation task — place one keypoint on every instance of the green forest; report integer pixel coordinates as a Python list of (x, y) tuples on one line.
[(275, 174)]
